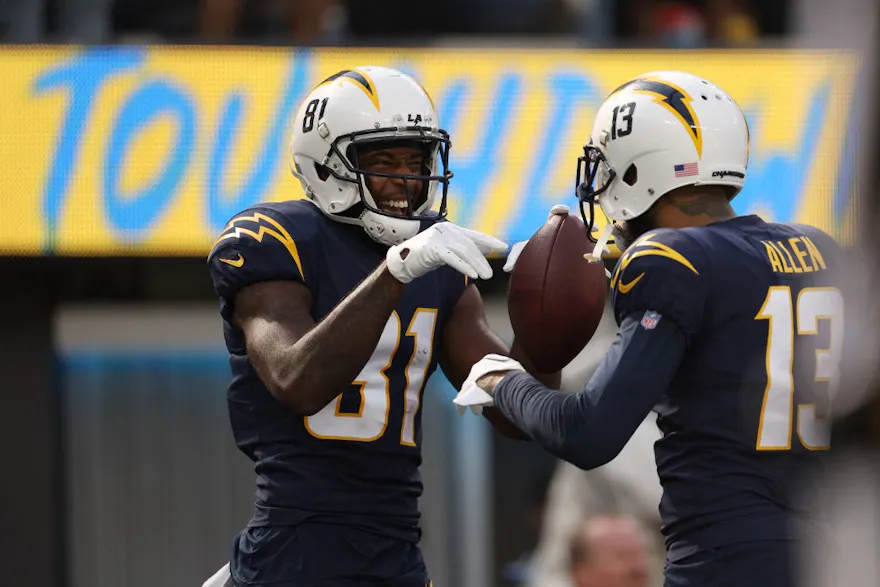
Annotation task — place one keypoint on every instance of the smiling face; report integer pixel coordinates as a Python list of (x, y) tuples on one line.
[(395, 195)]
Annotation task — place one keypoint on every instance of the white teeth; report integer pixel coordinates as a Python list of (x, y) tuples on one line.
[(395, 203)]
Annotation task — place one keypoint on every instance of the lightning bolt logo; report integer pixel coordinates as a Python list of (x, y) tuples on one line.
[(427, 95), (645, 247), (266, 226), (358, 78), (675, 100)]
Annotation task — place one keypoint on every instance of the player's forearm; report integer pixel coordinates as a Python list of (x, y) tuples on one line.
[(552, 419), (551, 380), (325, 361), (589, 428), (497, 419)]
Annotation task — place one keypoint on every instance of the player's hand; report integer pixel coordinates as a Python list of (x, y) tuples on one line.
[(443, 244), (477, 391), (513, 255), (516, 250)]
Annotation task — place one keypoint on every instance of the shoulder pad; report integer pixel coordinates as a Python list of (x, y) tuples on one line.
[(267, 224), (824, 250), (662, 271), (820, 236), (262, 243)]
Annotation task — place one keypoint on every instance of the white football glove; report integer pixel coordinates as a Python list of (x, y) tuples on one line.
[(443, 243), (516, 249), (472, 395)]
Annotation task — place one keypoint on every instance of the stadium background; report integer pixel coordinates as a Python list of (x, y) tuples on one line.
[(121, 163)]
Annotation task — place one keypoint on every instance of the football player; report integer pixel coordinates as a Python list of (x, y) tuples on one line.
[(730, 329), (336, 311)]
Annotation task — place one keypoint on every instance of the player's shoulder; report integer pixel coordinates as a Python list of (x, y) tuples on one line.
[(270, 225), (267, 241), (805, 239), (808, 230), (665, 250), (662, 271)]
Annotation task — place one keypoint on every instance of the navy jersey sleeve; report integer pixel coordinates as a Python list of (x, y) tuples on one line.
[(260, 244), (590, 428), (663, 271)]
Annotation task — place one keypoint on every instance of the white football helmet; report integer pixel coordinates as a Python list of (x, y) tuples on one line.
[(364, 107), (661, 131)]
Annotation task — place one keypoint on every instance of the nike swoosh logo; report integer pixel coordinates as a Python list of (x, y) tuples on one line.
[(625, 287), (240, 261)]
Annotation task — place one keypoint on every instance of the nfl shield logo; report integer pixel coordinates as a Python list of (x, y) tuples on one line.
[(650, 320)]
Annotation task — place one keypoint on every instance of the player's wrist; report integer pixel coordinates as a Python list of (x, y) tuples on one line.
[(385, 273), (490, 381), (395, 263)]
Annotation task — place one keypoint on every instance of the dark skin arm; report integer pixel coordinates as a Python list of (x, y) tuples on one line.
[(466, 339), (290, 352)]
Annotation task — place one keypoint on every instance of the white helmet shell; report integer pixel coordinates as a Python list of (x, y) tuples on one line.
[(355, 107), (662, 131)]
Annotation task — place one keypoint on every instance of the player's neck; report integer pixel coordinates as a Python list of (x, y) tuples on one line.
[(684, 221), (693, 209)]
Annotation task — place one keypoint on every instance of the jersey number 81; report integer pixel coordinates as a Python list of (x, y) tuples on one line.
[(371, 421)]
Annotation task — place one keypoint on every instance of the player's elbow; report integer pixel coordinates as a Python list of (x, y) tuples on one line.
[(305, 407), (298, 402), (503, 426), (588, 454), (594, 461), (586, 460), (307, 410), (293, 390)]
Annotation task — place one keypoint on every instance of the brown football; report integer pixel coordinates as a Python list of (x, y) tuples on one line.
[(557, 296)]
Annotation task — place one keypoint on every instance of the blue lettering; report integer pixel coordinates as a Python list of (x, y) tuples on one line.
[(776, 181), (136, 212), (568, 89), (472, 171), (83, 77), (221, 205)]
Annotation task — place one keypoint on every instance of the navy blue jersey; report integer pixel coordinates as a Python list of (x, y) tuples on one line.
[(356, 461), (744, 415)]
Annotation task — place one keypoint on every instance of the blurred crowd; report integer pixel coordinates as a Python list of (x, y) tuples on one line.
[(656, 23)]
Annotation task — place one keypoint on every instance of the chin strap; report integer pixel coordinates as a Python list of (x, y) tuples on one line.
[(600, 247)]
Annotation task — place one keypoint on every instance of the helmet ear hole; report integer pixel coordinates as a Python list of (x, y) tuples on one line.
[(631, 176), (323, 172)]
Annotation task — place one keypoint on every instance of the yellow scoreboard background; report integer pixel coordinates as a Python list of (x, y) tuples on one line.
[(149, 151)]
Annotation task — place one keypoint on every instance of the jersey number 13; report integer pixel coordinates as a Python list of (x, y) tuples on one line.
[(788, 318)]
